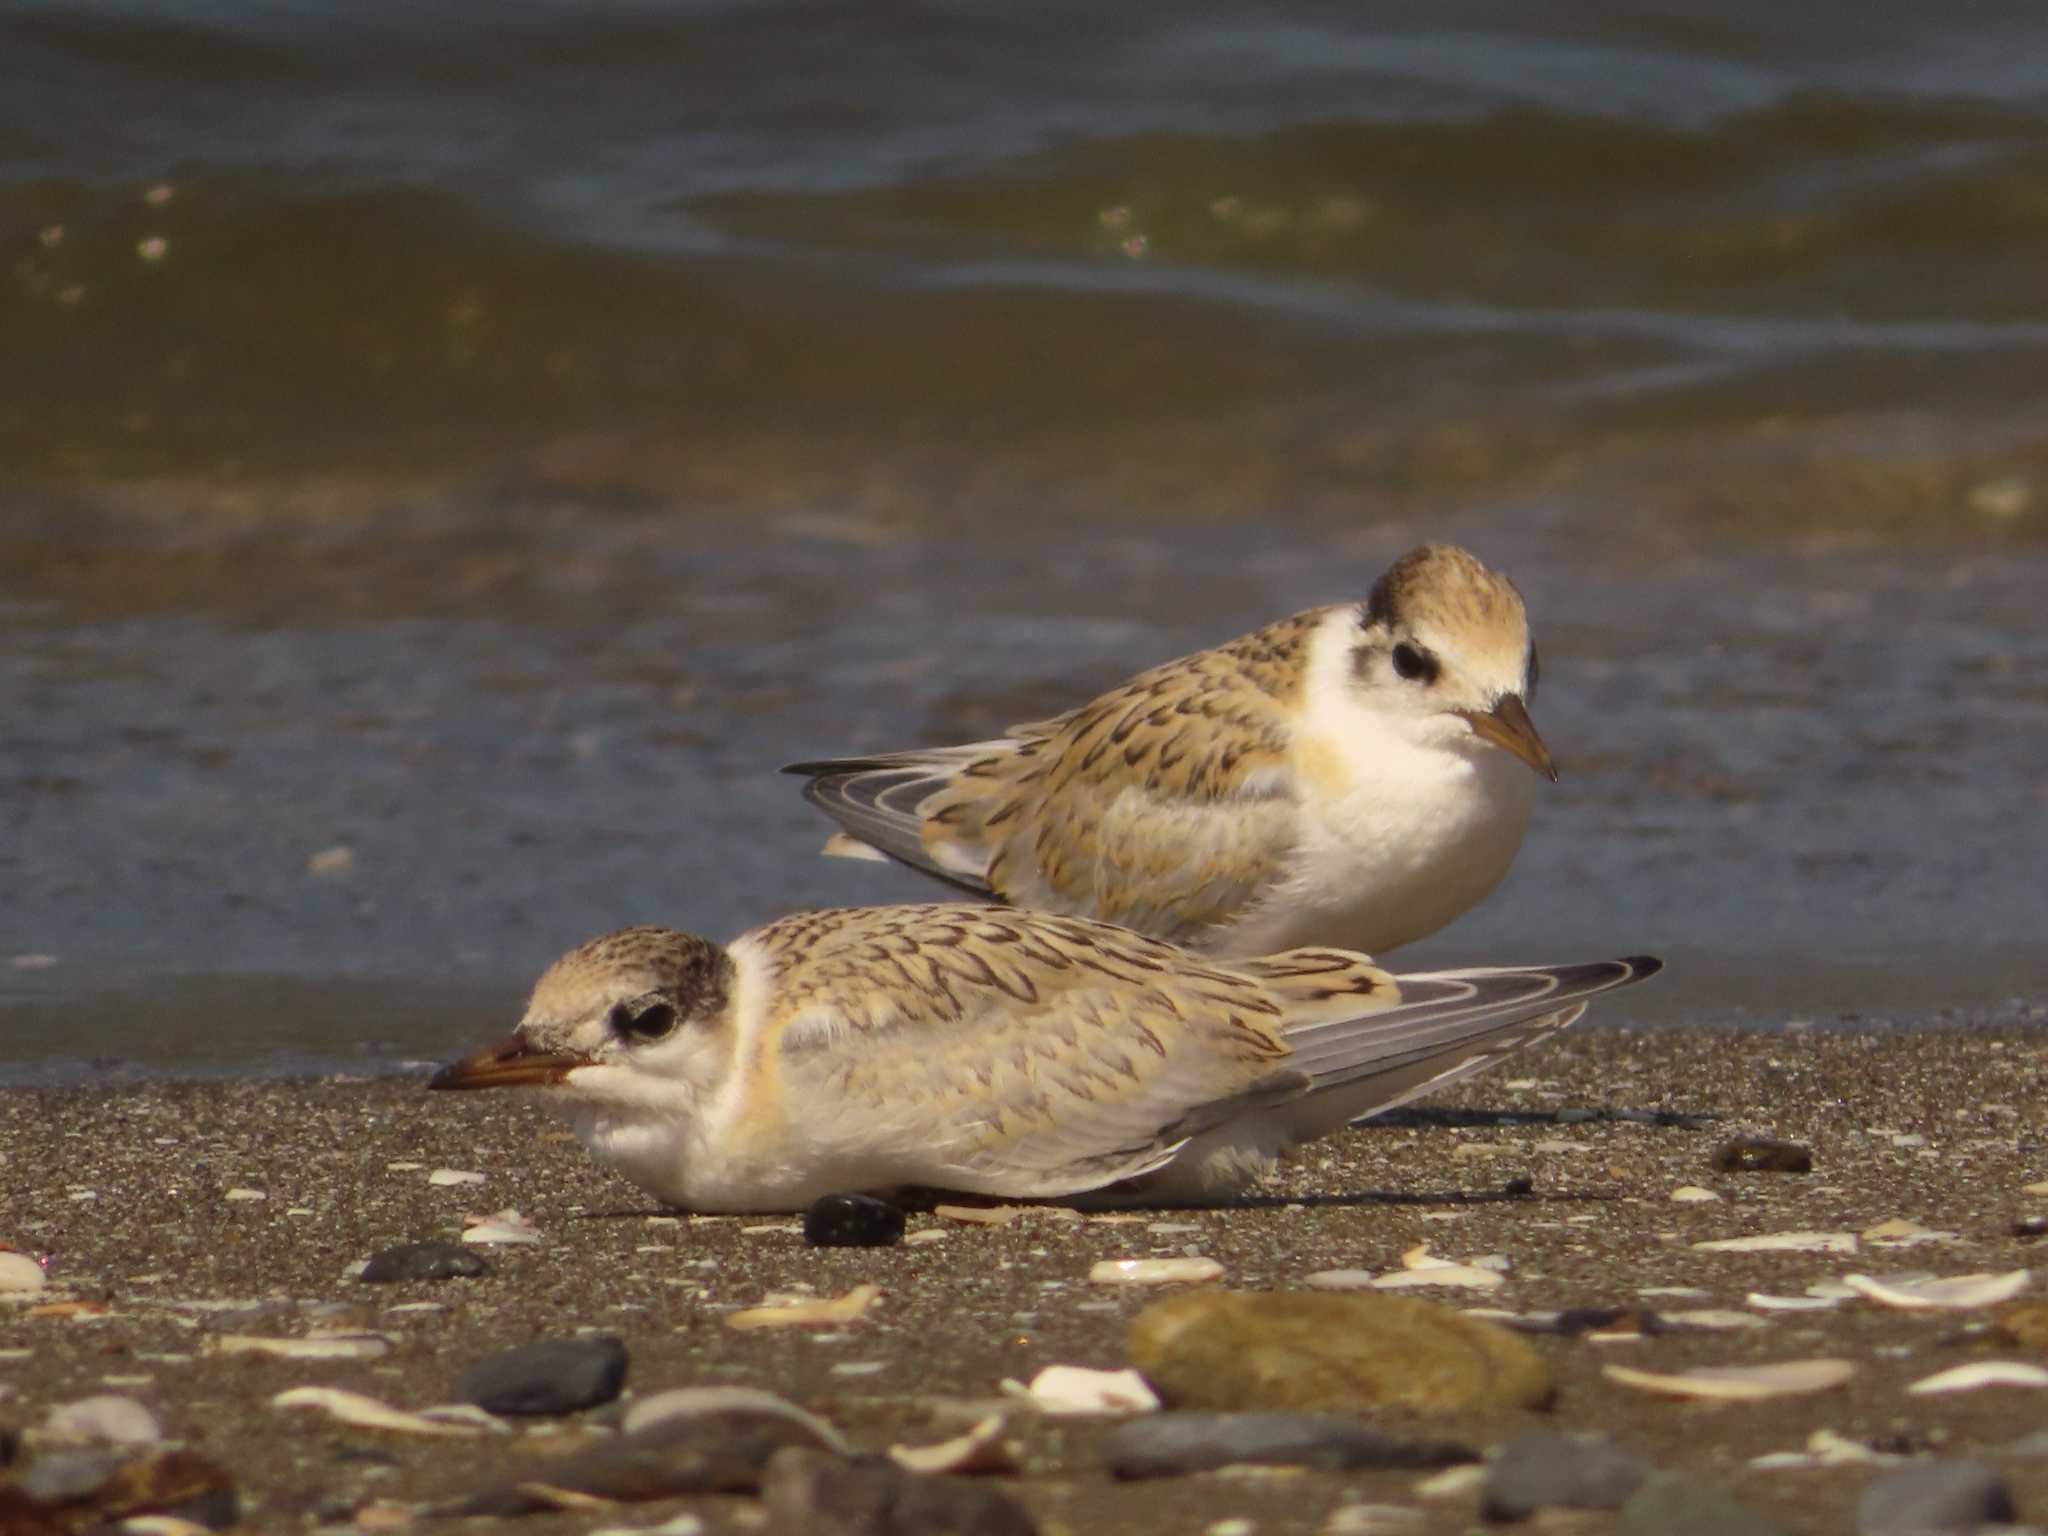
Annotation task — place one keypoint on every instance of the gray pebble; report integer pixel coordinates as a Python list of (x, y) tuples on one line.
[(1174, 1443), (424, 1261), (814, 1493), (555, 1376), (1933, 1499), (1540, 1471), (1670, 1505)]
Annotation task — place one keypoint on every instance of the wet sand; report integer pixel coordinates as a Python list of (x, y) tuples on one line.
[(126, 1189)]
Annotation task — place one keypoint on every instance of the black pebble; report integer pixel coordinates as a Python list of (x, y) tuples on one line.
[(423, 1261), (852, 1221), (1756, 1154), (1514, 1189), (555, 1376)]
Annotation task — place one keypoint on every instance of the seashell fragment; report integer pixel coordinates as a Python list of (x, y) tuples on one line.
[(1825, 1448), (1467, 1275), (1955, 1293), (980, 1449), (1075, 1389), (20, 1275), (506, 1226), (1981, 1373), (326, 1346), (1714, 1318), (366, 1412), (447, 1176), (1341, 1279), (1783, 1242), (849, 1308), (1766, 1303), (1739, 1383), (1187, 1271), (1693, 1194), (1900, 1233)]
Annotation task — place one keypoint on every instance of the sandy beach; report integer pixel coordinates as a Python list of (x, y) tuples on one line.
[(129, 1193)]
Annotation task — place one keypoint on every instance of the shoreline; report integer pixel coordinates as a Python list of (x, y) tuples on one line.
[(127, 1188)]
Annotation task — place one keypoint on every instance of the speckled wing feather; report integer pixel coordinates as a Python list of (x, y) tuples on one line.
[(1014, 1053), (1164, 805)]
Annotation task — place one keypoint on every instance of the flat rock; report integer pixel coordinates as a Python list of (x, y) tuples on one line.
[(424, 1261), (1335, 1353), (1760, 1154), (1932, 1499), (1176, 1443), (554, 1376), (1542, 1471), (813, 1493), (1670, 1505), (853, 1221), (87, 1487), (677, 1455)]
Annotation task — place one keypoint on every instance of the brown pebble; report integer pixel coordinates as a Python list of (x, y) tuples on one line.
[(2024, 1323), (1759, 1154)]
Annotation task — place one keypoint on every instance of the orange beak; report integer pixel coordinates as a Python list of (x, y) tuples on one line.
[(1508, 726), (511, 1063)]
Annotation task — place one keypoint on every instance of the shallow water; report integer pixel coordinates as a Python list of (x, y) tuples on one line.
[(1811, 778)]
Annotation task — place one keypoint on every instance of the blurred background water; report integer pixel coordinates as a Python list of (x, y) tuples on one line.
[(450, 455)]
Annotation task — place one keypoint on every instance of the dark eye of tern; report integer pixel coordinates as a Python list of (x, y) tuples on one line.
[(1413, 662), (649, 1021)]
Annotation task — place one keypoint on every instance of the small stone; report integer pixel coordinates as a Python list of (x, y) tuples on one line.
[(1338, 1353), (423, 1261), (105, 1420), (2024, 1323), (825, 1495), (1933, 1499), (1759, 1154), (852, 1221), (102, 1487), (1541, 1471), (1670, 1505), (1176, 1443), (554, 1376), (20, 1275)]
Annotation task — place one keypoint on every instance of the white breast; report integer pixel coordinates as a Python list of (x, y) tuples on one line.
[(1397, 836)]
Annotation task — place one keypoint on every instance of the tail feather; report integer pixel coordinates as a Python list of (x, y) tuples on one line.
[(879, 802)]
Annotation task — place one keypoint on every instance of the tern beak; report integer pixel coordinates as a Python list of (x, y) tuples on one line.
[(1508, 726), (511, 1063)]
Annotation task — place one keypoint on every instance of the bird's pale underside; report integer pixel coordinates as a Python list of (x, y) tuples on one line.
[(1356, 775), (977, 1049)]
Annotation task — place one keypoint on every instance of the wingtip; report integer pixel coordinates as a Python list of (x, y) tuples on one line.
[(1643, 965)]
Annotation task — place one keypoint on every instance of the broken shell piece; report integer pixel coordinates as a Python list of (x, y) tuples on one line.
[(982, 1449), (1714, 1318), (446, 1176), (1900, 1233), (1764, 1303), (1784, 1242), (1825, 1448), (849, 1308), (20, 1275), (1692, 1193), (1074, 1389), (1452, 1482), (1955, 1292), (367, 1413), (1739, 1383), (1190, 1271), (1341, 1279), (506, 1226), (326, 1346), (1466, 1275), (1982, 1373)]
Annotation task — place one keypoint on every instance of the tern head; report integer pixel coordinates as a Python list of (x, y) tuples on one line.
[(1444, 653), (637, 1013)]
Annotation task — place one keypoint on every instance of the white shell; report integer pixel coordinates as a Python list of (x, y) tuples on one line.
[(506, 1226), (981, 1449), (246, 1194), (1982, 1373), (809, 1312), (1784, 1242), (1825, 1448), (20, 1275), (1466, 1275), (1190, 1271), (1716, 1318), (687, 1402), (1740, 1383), (1074, 1389), (454, 1176), (1955, 1292), (108, 1419), (1687, 1193), (1766, 1303), (367, 1413), (329, 1346), (1900, 1233)]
